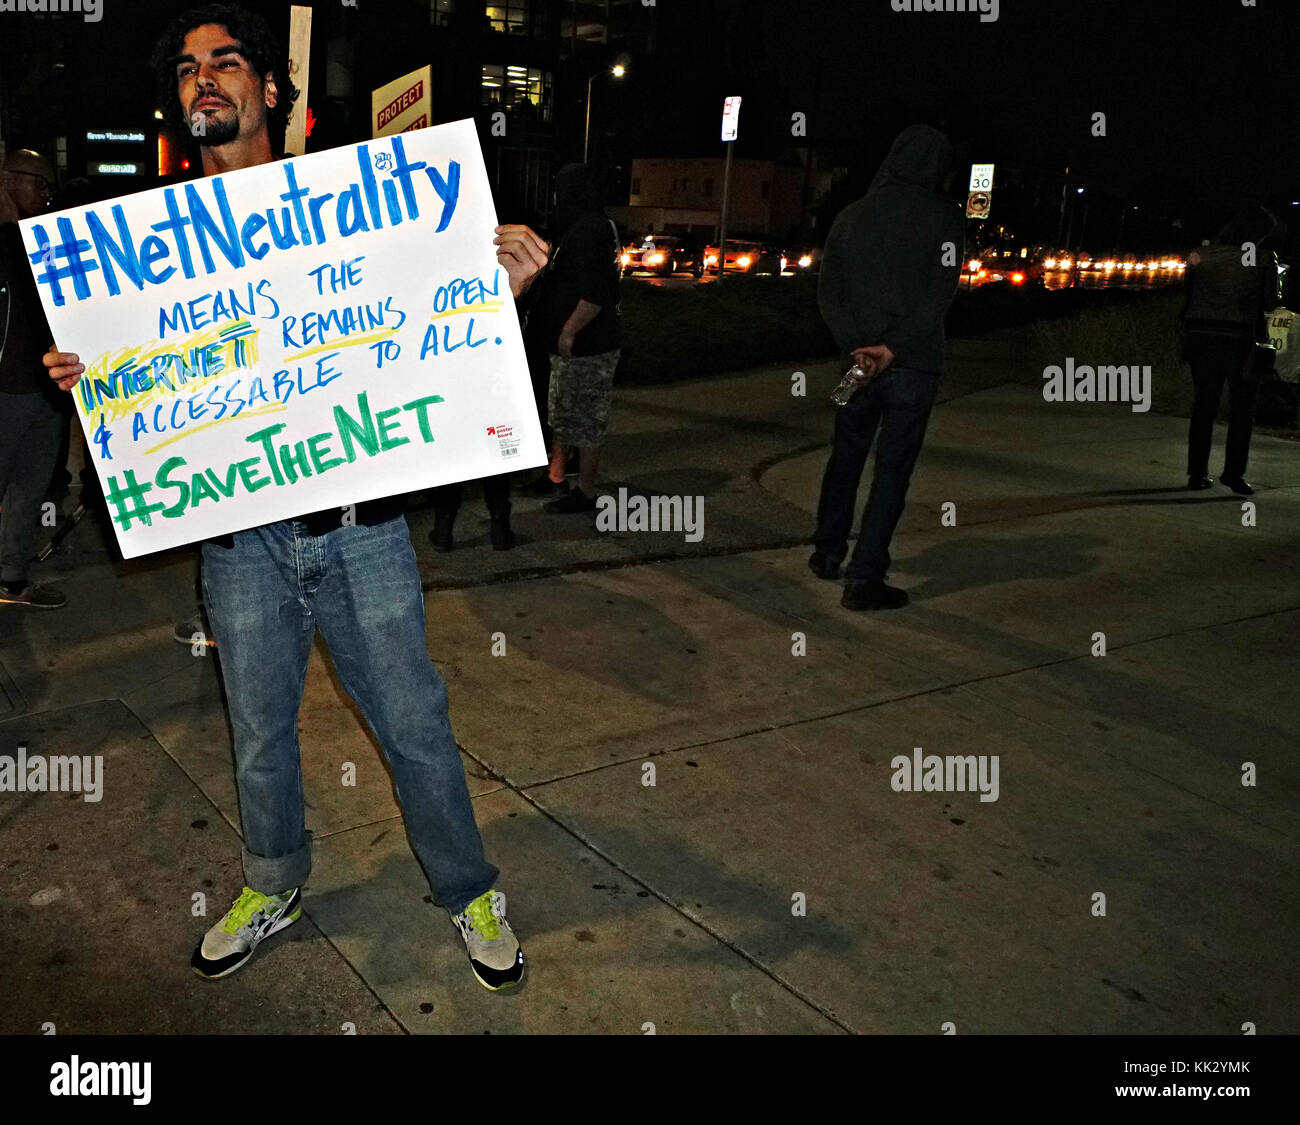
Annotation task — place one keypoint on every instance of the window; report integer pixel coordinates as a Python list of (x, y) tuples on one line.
[(686, 184), (525, 90), (520, 17), (440, 12), (708, 187), (767, 189), (636, 185), (674, 183)]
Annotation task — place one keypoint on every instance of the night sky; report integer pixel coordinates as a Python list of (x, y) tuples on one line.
[(1201, 94)]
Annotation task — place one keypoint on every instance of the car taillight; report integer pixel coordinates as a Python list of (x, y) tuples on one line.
[(1017, 279)]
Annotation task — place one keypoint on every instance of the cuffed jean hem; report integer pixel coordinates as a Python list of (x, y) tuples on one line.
[(461, 903), (275, 876)]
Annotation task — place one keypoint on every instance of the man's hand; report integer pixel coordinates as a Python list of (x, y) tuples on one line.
[(877, 356), (65, 367), (565, 344), (522, 253)]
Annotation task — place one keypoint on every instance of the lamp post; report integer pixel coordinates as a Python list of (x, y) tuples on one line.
[(617, 70)]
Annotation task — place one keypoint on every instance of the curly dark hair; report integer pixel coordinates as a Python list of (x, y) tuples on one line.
[(258, 44)]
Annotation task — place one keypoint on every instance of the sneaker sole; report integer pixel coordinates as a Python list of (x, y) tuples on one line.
[(499, 987), (283, 924)]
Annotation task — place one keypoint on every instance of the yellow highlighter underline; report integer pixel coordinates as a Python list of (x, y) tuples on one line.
[(218, 422), (339, 345), (486, 306)]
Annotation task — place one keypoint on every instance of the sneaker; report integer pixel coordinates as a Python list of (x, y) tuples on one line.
[(254, 918), (824, 566), (494, 952), (873, 595), (574, 500), (32, 594), (194, 631)]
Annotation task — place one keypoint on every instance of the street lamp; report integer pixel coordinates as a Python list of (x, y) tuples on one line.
[(617, 71)]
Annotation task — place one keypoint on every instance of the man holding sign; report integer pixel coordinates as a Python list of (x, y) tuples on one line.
[(351, 572)]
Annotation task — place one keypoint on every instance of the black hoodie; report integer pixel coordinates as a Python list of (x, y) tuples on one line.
[(583, 266), (893, 258)]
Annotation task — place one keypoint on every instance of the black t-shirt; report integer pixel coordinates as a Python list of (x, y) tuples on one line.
[(584, 267), (24, 334)]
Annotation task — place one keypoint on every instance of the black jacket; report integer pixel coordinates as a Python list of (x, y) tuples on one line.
[(893, 258)]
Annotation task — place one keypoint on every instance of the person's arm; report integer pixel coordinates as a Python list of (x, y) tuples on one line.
[(921, 320), (583, 314)]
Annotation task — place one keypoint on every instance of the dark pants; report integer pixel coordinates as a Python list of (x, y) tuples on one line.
[(29, 445), (898, 403), (496, 495), (1216, 357)]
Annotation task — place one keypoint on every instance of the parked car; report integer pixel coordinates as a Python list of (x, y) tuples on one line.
[(745, 256), (665, 255), (802, 259)]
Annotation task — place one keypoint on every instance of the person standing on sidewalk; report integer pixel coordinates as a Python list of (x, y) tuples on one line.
[(30, 420), (1231, 286), (269, 588), (578, 313), (889, 272)]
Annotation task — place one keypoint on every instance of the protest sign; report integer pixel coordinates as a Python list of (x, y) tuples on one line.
[(302, 335)]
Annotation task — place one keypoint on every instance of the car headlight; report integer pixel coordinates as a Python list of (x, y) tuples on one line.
[(655, 259), (743, 261), (805, 261)]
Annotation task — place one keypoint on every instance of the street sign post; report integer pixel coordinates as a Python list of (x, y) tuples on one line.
[(730, 129)]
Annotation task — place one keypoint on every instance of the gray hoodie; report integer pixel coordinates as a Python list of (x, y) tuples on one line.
[(893, 258)]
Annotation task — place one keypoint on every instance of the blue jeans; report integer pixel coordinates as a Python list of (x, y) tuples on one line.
[(898, 404), (265, 597)]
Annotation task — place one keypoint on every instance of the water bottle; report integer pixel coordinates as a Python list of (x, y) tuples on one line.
[(854, 377)]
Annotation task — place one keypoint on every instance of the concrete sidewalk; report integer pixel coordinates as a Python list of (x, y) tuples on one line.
[(771, 879)]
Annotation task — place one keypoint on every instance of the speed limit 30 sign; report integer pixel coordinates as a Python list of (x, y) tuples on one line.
[(981, 177)]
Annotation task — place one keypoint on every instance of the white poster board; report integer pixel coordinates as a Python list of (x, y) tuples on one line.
[(303, 335)]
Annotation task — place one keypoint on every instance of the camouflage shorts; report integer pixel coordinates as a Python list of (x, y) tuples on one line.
[(581, 392)]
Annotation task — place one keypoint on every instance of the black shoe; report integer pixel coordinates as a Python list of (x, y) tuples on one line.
[(32, 594), (1198, 484), (501, 535), (440, 536), (1239, 486), (873, 595), (824, 567), (542, 486), (574, 500)]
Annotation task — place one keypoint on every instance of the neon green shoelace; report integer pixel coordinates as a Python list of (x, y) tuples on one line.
[(480, 912), (248, 904)]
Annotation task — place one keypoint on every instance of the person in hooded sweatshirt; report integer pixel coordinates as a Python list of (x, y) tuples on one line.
[(889, 272), (1231, 287), (577, 313)]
